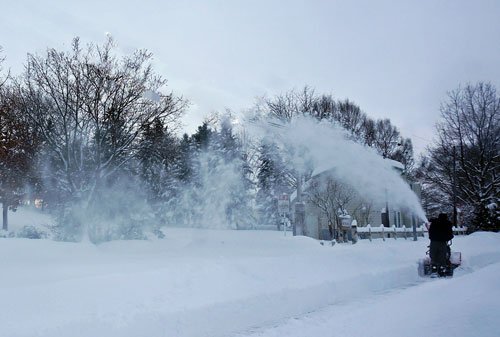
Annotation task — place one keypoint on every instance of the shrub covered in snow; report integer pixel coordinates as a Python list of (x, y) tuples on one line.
[(32, 232), (6, 234)]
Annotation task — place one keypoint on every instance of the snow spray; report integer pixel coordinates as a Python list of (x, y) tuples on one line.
[(326, 146)]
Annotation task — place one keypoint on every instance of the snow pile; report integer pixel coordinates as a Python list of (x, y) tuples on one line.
[(224, 283)]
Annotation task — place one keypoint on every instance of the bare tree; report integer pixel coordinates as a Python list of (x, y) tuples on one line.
[(331, 198), (380, 134), (361, 212), (2, 59), (404, 154), (18, 146), (351, 118), (290, 104), (324, 107), (464, 164), (90, 107), (369, 132), (387, 138)]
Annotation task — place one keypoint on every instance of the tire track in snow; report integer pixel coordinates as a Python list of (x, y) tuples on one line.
[(469, 265)]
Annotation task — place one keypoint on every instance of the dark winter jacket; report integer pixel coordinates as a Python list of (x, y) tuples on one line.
[(441, 229)]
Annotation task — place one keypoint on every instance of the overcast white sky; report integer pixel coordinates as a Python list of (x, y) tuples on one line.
[(396, 59)]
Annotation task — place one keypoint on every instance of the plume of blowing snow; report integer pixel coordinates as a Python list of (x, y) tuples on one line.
[(325, 146)]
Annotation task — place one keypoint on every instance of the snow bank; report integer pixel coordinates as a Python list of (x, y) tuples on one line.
[(220, 283)]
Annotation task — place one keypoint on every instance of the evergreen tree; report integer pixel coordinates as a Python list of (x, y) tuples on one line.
[(184, 162), (202, 137), (271, 182), (160, 158), (238, 210)]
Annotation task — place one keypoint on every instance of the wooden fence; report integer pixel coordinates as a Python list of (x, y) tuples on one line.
[(394, 232)]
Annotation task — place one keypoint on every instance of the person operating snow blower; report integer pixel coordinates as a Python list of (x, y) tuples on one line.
[(441, 260), (440, 232)]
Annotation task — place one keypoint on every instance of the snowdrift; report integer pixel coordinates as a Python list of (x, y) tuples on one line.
[(221, 283)]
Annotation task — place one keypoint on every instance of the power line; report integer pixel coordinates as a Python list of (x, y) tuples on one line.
[(422, 138)]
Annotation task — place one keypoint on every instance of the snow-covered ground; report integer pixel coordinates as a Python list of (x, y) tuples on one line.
[(244, 283)]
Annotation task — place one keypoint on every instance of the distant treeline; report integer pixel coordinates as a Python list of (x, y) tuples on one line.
[(96, 136)]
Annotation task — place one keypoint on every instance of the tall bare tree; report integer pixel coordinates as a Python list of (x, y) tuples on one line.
[(381, 134), (351, 118), (90, 107), (18, 146), (387, 138), (404, 154), (3, 78), (464, 165), (290, 104), (361, 211), (331, 197)]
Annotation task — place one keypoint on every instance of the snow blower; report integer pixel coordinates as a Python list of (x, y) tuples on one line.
[(427, 269)]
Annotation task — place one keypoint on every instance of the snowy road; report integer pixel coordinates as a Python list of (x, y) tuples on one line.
[(212, 283), (466, 305)]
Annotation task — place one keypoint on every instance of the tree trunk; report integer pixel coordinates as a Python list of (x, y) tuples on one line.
[(5, 223)]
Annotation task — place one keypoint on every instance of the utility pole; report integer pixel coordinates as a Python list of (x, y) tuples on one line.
[(454, 187), (386, 221), (5, 210), (300, 212)]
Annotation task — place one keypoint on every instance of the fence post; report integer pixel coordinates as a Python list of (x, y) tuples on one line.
[(383, 232), (395, 232), (370, 232), (414, 227)]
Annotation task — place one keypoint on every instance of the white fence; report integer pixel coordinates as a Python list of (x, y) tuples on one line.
[(394, 232)]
